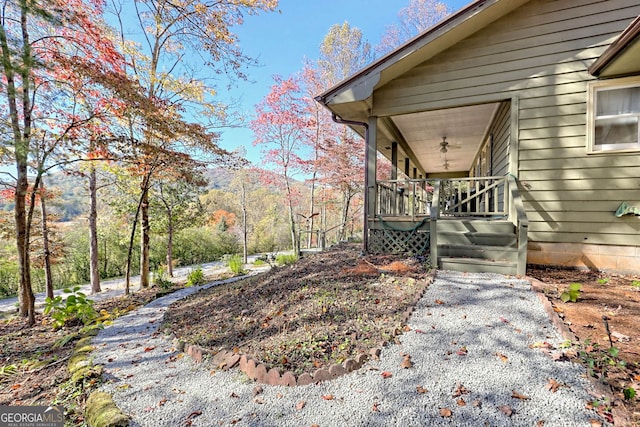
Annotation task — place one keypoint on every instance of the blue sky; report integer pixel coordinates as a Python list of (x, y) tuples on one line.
[(281, 41)]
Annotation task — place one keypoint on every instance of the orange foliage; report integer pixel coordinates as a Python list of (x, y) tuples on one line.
[(219, 215)]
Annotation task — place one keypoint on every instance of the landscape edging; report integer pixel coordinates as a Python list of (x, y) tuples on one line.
[(260, 373)]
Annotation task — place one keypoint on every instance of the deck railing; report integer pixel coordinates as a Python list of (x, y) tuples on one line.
[(408, 197), (414, 198)]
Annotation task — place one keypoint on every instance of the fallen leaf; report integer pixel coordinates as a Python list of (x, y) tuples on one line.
[(257, 390), (374, 408), (460, 390), (461, 402), (503, 320), (386, 374), (595, 423), (476, 403), (279, 395), (234, 395), (259, 400), (506, 409), (148, 349), (502, 357), (406, 363), (317, 363), (554, 385), (406, 328), (194, 414), (540, 423), (520, 396), (162, 401), (148, 409), (462, 351), (327, 396), (16, 386), (421, 389), (445, 412), (301, 404), (419, 331), (439, 301)]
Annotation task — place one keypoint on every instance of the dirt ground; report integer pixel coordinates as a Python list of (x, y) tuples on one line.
[(323, 309), (605, 320)]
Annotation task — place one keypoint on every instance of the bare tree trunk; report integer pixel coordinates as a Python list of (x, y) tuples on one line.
[(48, 279), (26, 297), (346, 203), (169, 242), (144, 239), (94, 268), (243, 203)]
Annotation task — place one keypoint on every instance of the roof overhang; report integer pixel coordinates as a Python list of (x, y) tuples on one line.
[(622, 57), (351, 98)]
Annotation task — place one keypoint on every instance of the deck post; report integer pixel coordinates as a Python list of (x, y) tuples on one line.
[(370, 178), (433, 224)]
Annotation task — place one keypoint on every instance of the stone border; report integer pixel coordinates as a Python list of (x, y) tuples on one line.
[(260, 373), (559, 324)]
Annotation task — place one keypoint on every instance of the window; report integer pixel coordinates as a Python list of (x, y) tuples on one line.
[(613, 115)]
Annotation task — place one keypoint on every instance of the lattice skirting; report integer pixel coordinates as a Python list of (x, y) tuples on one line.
[(396, 241)]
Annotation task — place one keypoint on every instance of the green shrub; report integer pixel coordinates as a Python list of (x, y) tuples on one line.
[(235, 264), (160, 278), (195, 277), (286, 259), (75, 306)]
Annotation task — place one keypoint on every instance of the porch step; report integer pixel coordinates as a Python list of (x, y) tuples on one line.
[(475, 226), (480, 252), (474, 265), (477, 238), (477, 245)]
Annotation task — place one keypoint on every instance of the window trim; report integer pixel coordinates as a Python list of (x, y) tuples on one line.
[(592, 88)]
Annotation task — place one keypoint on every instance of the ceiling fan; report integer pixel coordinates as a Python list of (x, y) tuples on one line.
[(444, 145)]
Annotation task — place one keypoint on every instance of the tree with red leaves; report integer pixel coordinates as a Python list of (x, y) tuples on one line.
[(41, 43), (281, 126)]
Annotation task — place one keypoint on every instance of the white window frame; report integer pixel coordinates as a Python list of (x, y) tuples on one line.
[(592, 91)]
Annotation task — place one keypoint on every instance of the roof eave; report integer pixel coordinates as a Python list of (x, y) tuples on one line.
[(628, 37)]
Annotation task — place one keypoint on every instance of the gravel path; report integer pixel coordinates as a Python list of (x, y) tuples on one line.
[(491, 318)]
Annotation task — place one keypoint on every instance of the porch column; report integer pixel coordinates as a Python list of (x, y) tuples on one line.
[(371, 169), (394, 160), (406, 167)]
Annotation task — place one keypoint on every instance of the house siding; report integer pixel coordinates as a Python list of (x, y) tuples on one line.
[(539, 54)]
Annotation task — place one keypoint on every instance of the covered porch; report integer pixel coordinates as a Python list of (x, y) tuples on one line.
[(451, 195)]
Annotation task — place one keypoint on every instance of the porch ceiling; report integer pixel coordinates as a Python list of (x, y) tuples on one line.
[(464, 128)]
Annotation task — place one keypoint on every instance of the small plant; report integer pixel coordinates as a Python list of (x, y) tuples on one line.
[(259, 261), (195, 278), (636, 283), (603, 281), (75, 306), (161, 280), (235, 264), (629, 393), (286, 259), (572, 293)]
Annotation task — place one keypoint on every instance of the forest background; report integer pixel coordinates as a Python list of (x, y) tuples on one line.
[(111, 157)]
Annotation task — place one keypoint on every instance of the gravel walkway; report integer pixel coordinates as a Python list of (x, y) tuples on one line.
[(469, 344)]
